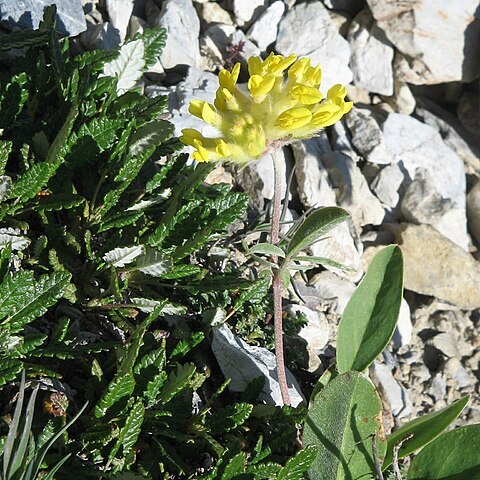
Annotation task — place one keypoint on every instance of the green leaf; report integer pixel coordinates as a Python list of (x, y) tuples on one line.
[(255, 293), (5, 256), (130, 431), (234, 466), (150, 136), (103, 131), (9, 370), (153, 263), (120, 220), (322, 261), (266, 249), (177, 380), (187, 344), (22, 298), (32, 181), (342, 420), (229, 418), (154, 41), (317, 224), (296, 466), (120, 387), (424, 429), (128, 66), (370, 317), (121, 256), (59, 201), (5, 150), (5, 187), (452, 456), (23, 38)]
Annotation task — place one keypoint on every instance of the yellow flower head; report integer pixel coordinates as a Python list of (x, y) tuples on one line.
[(277, 109)]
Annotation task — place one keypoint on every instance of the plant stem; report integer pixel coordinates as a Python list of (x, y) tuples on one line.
[(277, 280)]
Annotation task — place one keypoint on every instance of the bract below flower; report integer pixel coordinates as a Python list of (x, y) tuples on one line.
[(277, 109)]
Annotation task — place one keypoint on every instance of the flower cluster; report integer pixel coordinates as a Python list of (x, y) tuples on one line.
[(277, 109)]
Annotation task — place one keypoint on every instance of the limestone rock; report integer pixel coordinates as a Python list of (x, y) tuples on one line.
[(353, 192), (367, 136), (438, 267), (119, 13), (314, 187), (387, 186), (212, 12), (423, 204), (247, 11), (372, 55), (29, 13), (440, 41), (264, 31), (180, 19), (473, 211), (308, 30), (242, 363), (333, 290)]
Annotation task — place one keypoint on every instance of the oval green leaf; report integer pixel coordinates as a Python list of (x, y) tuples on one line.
[(424, 429), (267, 249), (370, 317), (452, 456), (317, 224), (342, 421)]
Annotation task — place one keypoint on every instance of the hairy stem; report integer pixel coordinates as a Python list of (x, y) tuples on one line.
[(277, 281)]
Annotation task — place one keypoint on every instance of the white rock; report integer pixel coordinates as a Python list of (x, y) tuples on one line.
[(372, 55), (367, 136), (308, 30), (333, 290), (473, 210), (391, 390), (264, 31), (403, 332), (353, 192), (387, 185), (339, 245), (316, 332), (212, 12), (314, 187), (417, 145), (213, 44), (256, 178), (119, 13), (180, 19), (402, 100), (423, 204), (439, 39), (103, 36), (242, 363), (248, 50), (247, 10)]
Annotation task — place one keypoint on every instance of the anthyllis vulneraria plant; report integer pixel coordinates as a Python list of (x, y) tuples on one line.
[(283, 104)]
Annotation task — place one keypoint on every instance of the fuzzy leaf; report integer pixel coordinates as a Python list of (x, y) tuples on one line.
[(12, 237), (267, 249), (317, 224), (424, 429), (128, 66), (370, 317), (121, 256), (149, 136), (5, 187), (452, 456), (153, 263)]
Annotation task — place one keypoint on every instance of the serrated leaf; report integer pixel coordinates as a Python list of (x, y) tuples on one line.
[(187, 344), (120, 220), (5, 257), (9, 370), (154, 41), (131, 430), (255, 293), (59, 201), (452, 456), (322, 261), (103, 131), (181, 271), (296, 466), (5, 187), (177, 380), (342, 420), (266, 249), (22, 298), (153, 263), (229, 417), (12, 237), (156, 357), (149, 136), (153, 388), (424, 429), (263, 470), (370, 317), (121, 256), (234, 466), (120, 387), (5, 150), (32, 181), (317, 224), (128, 66)]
